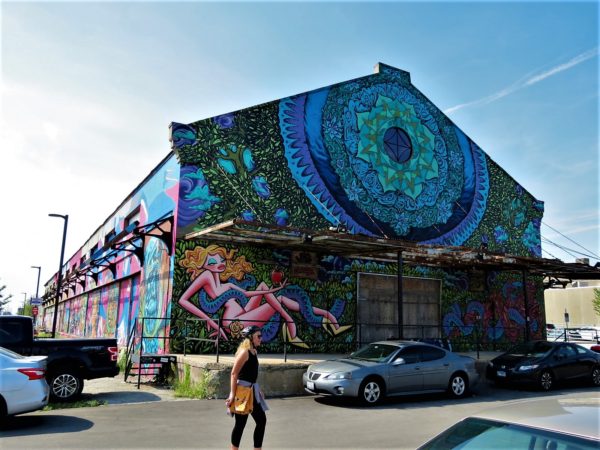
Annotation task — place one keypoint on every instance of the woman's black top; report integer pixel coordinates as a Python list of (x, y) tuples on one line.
[(249, 371)]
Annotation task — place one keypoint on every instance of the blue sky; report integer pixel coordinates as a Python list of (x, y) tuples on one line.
[(89, 89)]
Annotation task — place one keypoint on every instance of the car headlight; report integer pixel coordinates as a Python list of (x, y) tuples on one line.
[(527, 368), (339, 376)]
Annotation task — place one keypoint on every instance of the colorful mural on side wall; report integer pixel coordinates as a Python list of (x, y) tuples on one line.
[(373, 155), (123, 316), (105, 300), (154, 301), (77, 316)]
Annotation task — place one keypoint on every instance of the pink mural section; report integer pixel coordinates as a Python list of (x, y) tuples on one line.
[(123, 322), (91, 320)]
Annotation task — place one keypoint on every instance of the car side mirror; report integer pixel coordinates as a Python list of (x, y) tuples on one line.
[(398, 362)]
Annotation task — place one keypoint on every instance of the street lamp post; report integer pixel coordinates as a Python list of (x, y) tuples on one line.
[(24, 302), (37, 289), (59, 281)]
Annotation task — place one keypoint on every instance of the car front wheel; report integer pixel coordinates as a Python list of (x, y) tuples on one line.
[(458, 386), (371, 391), (546, 380), (3, 409), (65, 386), (596, 376)]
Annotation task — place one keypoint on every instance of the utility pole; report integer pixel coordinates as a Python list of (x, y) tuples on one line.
[(59, 281)]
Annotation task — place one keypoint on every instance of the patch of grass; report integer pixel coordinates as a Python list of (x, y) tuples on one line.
[(203, 389), (77, 404), (122, 359)]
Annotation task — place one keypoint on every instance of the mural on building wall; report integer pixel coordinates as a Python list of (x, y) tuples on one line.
[(154, 301), (111, 310), (375, 156), (77, 320), (230, 288), (372, 154), (123, 316), (493, 312), (92, 316), (63, 315), (102, 313), (105, 301)]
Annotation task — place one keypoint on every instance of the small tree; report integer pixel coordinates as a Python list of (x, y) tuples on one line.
[(4, 300), (596, 301)]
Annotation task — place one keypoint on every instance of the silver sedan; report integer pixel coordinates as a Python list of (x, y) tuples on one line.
[(389, 368)]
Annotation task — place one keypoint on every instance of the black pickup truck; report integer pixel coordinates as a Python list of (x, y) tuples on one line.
[(70, 361)]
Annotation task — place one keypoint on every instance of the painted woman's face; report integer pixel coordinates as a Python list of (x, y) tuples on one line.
[(215, 263)]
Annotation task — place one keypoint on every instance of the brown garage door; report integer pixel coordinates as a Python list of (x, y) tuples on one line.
[(378, 307)]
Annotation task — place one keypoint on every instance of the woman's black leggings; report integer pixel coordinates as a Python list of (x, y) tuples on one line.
[(259, 417)]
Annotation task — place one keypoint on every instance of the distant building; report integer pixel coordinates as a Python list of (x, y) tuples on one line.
[(576, 300), (311, 189)]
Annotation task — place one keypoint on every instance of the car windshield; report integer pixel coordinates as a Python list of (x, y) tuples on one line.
[(486, 434), (374, 352), (531, 349)]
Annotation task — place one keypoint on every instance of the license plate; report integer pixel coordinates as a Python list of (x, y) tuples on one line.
[(310, 385), (501, 373)]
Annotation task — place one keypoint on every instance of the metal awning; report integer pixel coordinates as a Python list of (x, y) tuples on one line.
[(333, 242)]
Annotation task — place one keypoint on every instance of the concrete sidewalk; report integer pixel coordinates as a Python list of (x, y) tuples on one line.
[(116, 391)]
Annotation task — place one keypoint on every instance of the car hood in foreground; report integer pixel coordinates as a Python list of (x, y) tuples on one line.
[(341, 365), (574, 415)]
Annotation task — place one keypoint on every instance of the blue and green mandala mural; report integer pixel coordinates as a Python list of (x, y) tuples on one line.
[(344, 149)]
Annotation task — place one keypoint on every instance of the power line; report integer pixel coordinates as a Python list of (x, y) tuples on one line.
[(547, 252), (567, 249), (593, 255), (560, 247)]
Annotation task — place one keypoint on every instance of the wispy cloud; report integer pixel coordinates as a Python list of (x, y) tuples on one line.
[(521, 84)]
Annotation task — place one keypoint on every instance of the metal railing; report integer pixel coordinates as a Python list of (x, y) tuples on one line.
[(310, 339), (187, 338), (134, 340), (324, 338)]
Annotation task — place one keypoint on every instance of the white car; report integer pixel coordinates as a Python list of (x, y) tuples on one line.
[(590, 333), (560, 423), (23, 386)]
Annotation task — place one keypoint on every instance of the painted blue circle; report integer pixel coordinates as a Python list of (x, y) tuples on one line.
[(397, 144)]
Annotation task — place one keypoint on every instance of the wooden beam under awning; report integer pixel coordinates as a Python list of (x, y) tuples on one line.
[(240, 232)]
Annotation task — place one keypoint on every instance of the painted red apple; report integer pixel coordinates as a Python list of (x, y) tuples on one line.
[(277, 276)]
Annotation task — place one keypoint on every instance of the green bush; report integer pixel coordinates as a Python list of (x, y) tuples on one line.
[(122, 359), (203, 389)]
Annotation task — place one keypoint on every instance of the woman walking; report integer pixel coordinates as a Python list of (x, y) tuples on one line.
[(244, 373)]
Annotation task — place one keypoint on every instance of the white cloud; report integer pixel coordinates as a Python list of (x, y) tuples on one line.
[(527, 81)]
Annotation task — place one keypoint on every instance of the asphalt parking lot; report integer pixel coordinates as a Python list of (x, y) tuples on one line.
[(152, 418)]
